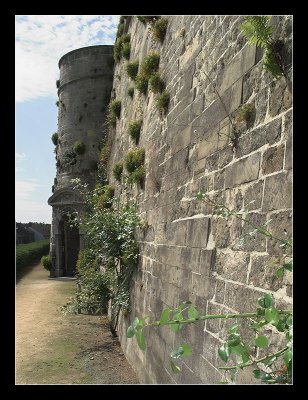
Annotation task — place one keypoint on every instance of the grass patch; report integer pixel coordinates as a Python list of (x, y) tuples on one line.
[(132, 69), (157, 85), (117, 171), (162, 101), (160, 29), (134, 128)]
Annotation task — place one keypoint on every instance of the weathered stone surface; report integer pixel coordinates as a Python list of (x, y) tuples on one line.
[(277, 192), (197, 231), (253, 196), (242, 171), (240, 64), (241, 298), (233, 265), (281, 227), (262, 272), (213, 325), (181, 140), (252, 241), (253, 140), (189, 148), (272, 159), (280, 97)]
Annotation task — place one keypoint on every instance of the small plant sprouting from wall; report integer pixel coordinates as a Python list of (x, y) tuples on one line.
[(160, 29), (79, 147), (162, 102), (157, 85), (133, 162), (246, 113), (134, 128), (118, 170), (150, 64), (125, 50), (120, 29), (117, 49), (115, 107), (130, 92), (57, 103), (142, 83), (55, 138), (69, 158), (132, 69), (257, 31), (58, 83), (104, 196)]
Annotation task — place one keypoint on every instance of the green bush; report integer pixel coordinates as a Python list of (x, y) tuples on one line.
[(55, 138), (134, 128), (117, 171), (126, 38), (117, 48), (130, 92), (157, 85), (246, 112), (138, 175), (150, 64), (79, 147), (120, 29), (115, 107), (104, 196), (46, 262), (134, 159), (125, 52), (132, 69), (142, 83), (29, 253), (160, 29), (162, 101)]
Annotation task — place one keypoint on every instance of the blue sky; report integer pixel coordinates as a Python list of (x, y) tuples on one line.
[(40, 41)]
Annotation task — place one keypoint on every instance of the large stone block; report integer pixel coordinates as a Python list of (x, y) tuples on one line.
[(262, 272), (272, 159), (241, 298), (176, 233), (237, 67), (232, 265), (253, 196), (277, 192), (207, 373), (280, 97), (181, 139), (242, 171), (197, 231), (280, 226), (211, 144)]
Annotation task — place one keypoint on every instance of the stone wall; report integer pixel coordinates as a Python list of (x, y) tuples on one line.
[(187, 253)]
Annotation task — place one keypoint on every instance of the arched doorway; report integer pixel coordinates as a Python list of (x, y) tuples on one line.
[(69, 246)]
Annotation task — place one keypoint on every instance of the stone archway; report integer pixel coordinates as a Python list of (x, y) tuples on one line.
[(69, 246)]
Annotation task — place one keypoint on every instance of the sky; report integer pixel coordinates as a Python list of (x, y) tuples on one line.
[(40, 41)]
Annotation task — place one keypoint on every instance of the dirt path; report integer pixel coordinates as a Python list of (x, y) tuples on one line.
[(56, 349)]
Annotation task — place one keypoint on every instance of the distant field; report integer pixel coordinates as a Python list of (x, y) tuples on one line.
[(29, 253)]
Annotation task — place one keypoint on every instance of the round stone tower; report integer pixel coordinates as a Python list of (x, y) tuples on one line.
[(84, 90)]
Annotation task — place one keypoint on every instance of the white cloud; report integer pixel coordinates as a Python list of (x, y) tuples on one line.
[(32, 211), (41, 40), (27, 209), (20, 157), (23, 189)]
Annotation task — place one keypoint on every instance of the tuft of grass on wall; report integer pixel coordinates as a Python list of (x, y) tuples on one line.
[(115, 107), (55, 138), (79, 147), (134, 128), (125, 52), (142, 83), (117, 171), (157, 85), (150, 64), (162, 101), (134, 159), (132, 69), (160, 29), (130, 92)]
